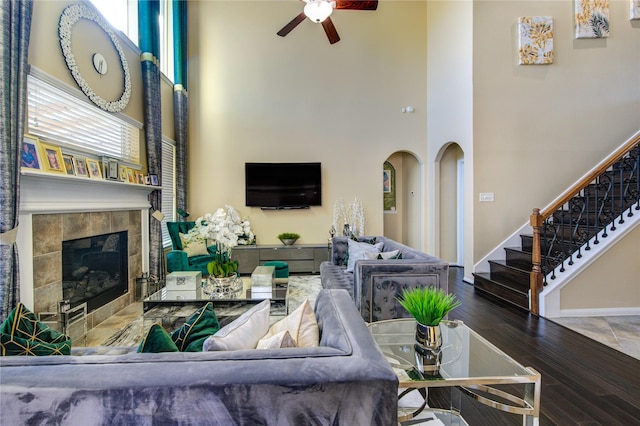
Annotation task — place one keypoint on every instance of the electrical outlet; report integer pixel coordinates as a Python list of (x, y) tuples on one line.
[(486, 197)]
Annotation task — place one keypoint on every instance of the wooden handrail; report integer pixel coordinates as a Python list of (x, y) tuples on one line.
[(536, 278), (590, 177)]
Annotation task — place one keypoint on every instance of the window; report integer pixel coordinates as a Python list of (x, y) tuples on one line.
[(168, 187), (59, 116), (123, 15)]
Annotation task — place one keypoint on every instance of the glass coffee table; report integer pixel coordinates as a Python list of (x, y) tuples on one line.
[(467, 363)]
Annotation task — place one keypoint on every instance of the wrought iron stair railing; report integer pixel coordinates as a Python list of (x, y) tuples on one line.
[(585, 214)]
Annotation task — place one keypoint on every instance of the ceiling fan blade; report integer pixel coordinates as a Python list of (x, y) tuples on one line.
[(291, 25), (330, 30), (357, 4)]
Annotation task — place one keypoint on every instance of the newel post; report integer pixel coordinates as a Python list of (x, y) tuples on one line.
[(535, 277)]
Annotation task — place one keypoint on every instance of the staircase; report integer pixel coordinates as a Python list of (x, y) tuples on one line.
[(588, 213)]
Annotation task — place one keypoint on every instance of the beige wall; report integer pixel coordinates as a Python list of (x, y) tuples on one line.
[(537, 129), (611, 282), (255, 96)]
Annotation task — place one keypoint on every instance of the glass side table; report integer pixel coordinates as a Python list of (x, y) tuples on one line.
[(469, 364)]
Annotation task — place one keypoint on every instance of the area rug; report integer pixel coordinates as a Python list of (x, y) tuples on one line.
[(301, 287)]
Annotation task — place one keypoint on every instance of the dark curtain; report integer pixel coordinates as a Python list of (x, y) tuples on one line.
[(180, 101), (148, 26), (15, 18)]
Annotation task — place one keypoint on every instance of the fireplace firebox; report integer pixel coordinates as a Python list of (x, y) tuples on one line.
[(95, 269)]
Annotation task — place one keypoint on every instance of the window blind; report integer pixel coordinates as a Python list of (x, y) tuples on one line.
[(59, 117), (168, 188)]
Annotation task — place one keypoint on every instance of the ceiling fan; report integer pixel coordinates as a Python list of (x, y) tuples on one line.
[(319, 11)]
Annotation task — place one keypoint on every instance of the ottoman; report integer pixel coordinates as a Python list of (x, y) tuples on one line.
[(282, 268)]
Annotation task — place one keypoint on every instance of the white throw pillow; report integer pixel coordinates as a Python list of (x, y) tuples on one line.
[(381, 255), (357, 251), (244, 332), (277, 341), (193, 248), (301, 325)]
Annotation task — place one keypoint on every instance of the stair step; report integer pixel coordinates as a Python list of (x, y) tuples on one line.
[(518, 258), (508, 275), (483, 282)]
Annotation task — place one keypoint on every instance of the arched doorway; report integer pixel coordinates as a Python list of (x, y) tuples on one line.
[(450, 208), (403, 199)]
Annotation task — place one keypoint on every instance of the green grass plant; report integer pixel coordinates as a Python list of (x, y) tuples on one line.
[(288, 236), (428, 305)]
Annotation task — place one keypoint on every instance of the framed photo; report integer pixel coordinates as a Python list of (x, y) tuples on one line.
[(112, 170), (147, 180), (123, 173), (139, 178), (154, 180), (68, 164), (80, 165), (51, 158), (386, 181), (130, 177), (94, 168), (30, 156)]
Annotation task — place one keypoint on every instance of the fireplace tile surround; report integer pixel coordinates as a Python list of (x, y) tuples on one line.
[(56, 208), (50, 230)]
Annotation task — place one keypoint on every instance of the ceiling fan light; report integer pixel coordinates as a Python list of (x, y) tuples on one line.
[(318, 10)]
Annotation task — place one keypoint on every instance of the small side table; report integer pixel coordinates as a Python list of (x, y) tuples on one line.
[(70, 321)]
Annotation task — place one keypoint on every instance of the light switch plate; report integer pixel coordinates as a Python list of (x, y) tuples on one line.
[(486, 197)]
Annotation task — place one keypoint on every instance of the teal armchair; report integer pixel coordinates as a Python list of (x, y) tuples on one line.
[(177, 258)]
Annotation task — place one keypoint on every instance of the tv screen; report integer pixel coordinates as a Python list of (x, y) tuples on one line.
[(283, 185)]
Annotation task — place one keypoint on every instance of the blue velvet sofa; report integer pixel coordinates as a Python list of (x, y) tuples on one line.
[(375, 284), (344, 381)]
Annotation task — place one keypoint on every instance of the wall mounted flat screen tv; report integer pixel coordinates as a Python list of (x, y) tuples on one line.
[(283, 185)]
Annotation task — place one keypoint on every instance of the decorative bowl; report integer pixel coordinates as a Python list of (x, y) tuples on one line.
[(288, 241)]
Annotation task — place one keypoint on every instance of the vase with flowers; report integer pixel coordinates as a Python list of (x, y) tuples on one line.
[(226, 230)]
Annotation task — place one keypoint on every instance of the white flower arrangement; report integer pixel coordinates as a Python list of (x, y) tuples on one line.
[(352, 215), (226, 229)]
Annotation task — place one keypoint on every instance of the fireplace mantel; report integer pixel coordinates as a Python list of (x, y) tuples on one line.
[(48, 193)]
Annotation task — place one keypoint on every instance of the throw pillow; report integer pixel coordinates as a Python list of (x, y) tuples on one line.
[(23, 334), (202, 324), (394, 254), (301, 324), (244, 332), (277, 341), (157, 340), (357, 251), (193, 248)]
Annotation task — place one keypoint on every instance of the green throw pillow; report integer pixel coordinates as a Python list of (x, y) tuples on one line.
[(157, 340), (202, 324), (23, 334)]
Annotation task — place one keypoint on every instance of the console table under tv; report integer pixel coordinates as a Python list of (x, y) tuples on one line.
[(302, 258)]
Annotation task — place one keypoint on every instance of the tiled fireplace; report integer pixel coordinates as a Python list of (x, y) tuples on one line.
[(54, 209)]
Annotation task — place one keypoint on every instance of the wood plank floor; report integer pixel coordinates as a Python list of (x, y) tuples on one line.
[(583, 381)]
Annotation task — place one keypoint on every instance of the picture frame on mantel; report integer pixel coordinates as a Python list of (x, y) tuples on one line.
[(80, 165), (30, 158), (52, 158), (94, 169)]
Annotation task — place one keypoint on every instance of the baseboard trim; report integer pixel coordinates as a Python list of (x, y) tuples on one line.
[(599, 312)]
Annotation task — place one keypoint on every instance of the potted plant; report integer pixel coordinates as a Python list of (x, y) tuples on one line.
[(288, 238), (428, 306)]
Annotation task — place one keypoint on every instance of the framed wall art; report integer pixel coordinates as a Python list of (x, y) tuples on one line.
[(386, 181), (111, 171), (592, 18), (52, 158), (634, 11), (30, 158), (94, 168), (535, 40)]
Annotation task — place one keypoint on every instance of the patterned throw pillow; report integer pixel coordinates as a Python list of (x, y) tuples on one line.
[(394, 254), (357, 251), (193, 248), (23, 334)]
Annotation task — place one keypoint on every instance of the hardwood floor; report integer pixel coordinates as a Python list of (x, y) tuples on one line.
[(583, 381)]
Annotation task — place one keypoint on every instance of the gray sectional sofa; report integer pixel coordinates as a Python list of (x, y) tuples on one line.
[(375, 284), (344, 381)]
